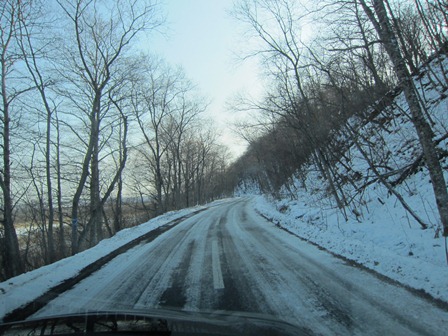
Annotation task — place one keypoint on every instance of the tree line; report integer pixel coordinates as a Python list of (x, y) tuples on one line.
[(95, 135), (328, 81)]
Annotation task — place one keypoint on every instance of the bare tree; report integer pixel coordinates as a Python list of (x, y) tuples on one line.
[(103, 33), (11, 89), (287, 55), (31, 54), (164, 109), (380, 18), (153, 105)]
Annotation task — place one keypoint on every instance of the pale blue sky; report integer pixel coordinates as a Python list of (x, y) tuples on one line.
[(203, 39)]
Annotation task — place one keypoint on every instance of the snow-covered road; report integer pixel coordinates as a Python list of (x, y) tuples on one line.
[(230, 258)]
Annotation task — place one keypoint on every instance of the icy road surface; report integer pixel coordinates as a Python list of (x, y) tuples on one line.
[(229, 258)]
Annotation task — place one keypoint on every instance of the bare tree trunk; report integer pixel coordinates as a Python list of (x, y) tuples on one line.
[(12, 260), (62, 243), (78, 193), (39, 209), (30, 58), (96, 211), (123, 154), (118, 213), (424, 131), (187, 184), (51, 249), (13, 263), (370, 63)]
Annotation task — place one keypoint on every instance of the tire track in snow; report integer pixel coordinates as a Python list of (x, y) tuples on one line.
[(199, 280), (269, 289), (340, 304), (164, 277), (264, 270)]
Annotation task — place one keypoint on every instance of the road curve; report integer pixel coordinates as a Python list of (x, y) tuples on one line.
[(230, 258)]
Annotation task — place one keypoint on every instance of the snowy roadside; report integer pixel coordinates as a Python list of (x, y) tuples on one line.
[(378, 232), (385, 241), (18, 291)]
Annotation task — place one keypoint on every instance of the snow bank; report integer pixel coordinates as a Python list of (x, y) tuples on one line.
[(383, 241), (379, 233)]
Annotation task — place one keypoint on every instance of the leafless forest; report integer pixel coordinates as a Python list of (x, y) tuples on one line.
[(325, 88), (97, 137)]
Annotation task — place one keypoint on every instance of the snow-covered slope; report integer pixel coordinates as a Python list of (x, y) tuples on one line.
[(379, 233)]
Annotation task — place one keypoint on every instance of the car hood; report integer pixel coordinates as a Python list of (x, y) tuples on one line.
[(154, 322)]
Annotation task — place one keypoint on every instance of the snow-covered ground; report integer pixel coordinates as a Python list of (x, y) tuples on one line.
[(379, 233), (383, 241)]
